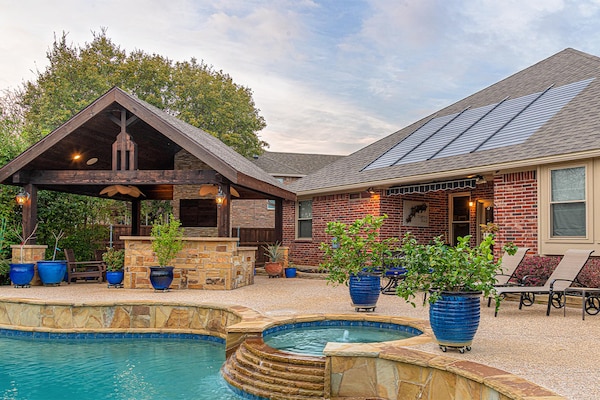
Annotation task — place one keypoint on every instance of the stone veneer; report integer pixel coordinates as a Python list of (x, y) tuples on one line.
[(204, 263), (29, 253), (388, 370)]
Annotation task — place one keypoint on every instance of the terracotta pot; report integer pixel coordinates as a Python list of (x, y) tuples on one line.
[(273, 268)]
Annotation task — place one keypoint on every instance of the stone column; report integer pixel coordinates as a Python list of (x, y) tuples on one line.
[(29, 253)]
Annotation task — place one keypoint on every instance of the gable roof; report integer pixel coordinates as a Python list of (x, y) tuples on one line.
[(570, 132), (159, 137), (293, 164)]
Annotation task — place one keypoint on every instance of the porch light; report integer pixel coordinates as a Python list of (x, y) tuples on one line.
[(220, 197), (471, 204), (22, 197)]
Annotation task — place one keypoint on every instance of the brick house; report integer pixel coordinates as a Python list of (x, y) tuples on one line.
[(523, 153)]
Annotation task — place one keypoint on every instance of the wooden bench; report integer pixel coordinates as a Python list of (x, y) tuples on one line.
[(85, 270)]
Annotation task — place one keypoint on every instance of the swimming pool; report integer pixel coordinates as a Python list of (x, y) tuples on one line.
[(105, 367)]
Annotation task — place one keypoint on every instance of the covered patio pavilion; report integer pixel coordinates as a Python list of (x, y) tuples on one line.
[(123, 148)]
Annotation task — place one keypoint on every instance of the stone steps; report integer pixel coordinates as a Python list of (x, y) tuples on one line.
[(262, 371)]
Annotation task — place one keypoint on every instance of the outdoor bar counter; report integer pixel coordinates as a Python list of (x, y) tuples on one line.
[(204, 263)]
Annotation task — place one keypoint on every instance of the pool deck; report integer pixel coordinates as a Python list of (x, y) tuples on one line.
[(557, 352)]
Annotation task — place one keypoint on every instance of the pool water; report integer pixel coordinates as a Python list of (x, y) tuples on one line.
[(133, 369), (311, 340)]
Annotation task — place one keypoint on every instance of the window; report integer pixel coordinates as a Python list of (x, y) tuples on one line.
[(270, 204), (305, 219), (198, 212), (567, 202)]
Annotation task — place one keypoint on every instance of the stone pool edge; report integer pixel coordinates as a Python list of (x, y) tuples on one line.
[(388, 370)]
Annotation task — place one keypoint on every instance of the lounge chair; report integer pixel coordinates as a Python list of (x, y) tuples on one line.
[(86, 270), (563, 276), (509, 267)]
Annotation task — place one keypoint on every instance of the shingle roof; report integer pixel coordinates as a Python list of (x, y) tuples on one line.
[(293, 164), (572, 130)]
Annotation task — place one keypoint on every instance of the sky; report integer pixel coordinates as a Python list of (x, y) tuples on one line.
[(329, 76)]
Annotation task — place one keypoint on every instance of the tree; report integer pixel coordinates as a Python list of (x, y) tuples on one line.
[(189, 90)]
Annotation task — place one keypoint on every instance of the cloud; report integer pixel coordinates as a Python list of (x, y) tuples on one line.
[(329, 76)]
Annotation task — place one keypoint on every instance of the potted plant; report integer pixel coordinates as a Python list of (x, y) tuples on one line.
[(114, 260), (290, 270), (274, 267), (53, 272), (356, 256), (22, 273), (455, 277), (166, 243), (489, 229)]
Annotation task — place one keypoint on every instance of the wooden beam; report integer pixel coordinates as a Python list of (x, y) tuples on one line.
[(30, 214), (224, 215), (138, 177), (136, 213)]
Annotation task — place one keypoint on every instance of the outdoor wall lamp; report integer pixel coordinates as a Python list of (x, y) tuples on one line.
[(371, 190), (220, 197), (22, 198)]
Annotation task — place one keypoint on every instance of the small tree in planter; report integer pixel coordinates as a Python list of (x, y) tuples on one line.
[(167, 242), (22, 273), (115, 260), (356, 257), (455, 278)]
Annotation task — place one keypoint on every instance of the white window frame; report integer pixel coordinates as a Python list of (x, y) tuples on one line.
[(299, 220), (585, 202)]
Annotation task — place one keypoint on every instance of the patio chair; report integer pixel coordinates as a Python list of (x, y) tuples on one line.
[(86, 270), (563, 276), (508, 268), (394, 273)]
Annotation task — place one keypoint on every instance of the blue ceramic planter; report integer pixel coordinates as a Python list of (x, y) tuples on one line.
[(52, 272), (454, 319), (114, 278), (161, 277), (364, 291), (290, 272), (21, 274)]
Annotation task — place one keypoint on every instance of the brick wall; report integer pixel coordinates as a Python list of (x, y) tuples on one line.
[(341, 207), (251, 214), (515, 209)]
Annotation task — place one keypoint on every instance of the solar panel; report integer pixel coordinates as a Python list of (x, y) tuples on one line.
[(509, 122)]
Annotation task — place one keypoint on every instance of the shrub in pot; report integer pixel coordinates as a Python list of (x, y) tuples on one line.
[(355, 256), (21, 273), (455, 278), (114, 259), (167, 242), (274, 267)]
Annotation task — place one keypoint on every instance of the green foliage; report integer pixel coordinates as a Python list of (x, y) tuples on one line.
[(4, 252), (114, 259), (85, 240), (77, 216), (192, 91), (358, 248), (438, 267), (167, 240), (274, 252)]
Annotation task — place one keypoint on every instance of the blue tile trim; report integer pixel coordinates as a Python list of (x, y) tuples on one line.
[(107, 335), (343, 323)]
